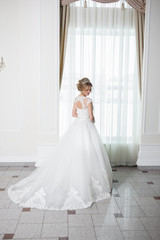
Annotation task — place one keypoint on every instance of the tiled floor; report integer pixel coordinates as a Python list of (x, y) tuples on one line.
[(133, 212)]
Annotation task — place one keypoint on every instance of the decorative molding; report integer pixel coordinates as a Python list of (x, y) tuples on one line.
[(44, 95), (21, 67), (145, 70), (58, 41), (20, 77), (10, 130), (159, 121), (39, 70), (149, 155)]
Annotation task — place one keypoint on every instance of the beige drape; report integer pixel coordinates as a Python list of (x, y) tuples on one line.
[(106, 1), (139, 5), (66, 2), (64, 23), (139, 28)]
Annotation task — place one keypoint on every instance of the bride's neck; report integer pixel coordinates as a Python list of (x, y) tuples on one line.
[(82, 95)]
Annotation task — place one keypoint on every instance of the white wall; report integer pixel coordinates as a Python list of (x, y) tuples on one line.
[(149, 152), (29, 83)]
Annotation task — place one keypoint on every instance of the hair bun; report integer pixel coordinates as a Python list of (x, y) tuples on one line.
[(82, 83)]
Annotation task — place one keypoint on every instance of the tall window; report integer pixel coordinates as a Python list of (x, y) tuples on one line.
[(101, 46)]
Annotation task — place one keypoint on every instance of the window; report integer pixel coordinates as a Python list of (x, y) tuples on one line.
[(101, 46)]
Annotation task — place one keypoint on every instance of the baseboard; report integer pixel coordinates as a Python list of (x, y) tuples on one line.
[(149, 155), (151, 168), (17, 160), (17, 164), (37, 160)]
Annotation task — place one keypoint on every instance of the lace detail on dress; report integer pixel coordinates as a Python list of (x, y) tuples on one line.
[(96, 186), (83, 100), (38, 200), (73, 199)]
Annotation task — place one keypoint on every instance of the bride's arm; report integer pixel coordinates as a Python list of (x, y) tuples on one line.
[(90, 110), (74, 111)]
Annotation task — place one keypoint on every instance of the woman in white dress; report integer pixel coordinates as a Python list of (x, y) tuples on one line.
[(77, 173)]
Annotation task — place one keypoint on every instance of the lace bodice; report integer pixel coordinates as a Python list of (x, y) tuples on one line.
[(81, 105), (83, 100)]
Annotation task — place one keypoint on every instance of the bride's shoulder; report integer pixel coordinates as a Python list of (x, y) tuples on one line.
[(76, 98), (86, 99), (89, 99)]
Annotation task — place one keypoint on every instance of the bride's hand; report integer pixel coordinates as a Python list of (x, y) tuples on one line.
[(92, 119)]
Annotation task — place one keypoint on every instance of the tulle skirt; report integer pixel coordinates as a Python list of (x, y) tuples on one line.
[(76, 174)]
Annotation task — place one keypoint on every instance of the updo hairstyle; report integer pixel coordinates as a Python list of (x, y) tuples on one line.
[(83, 83)]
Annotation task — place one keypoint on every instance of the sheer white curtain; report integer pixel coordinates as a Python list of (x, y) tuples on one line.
[(101, 46)]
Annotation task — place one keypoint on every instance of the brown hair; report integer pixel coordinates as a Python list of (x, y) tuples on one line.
[(83, 83)]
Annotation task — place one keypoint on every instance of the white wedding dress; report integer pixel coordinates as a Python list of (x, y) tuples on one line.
[(74, 176)]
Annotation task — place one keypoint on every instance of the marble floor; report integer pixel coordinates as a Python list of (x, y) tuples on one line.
[(133, 211)]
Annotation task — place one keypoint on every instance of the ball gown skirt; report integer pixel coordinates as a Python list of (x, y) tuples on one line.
[(75, 175)]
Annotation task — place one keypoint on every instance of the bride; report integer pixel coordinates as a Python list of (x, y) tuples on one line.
[(77, 173)]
